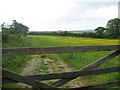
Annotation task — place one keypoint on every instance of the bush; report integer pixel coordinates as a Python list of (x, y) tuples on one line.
[(5, 37)]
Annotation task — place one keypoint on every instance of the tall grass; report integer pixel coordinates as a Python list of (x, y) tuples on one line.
[(15, 63)]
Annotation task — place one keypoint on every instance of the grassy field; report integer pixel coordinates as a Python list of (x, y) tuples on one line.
[(44, 41), (79, 60), (15, 63)]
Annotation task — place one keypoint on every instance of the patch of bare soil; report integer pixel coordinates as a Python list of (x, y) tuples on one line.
[(38, 65)]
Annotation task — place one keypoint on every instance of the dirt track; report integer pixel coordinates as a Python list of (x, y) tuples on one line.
[(45, 65)]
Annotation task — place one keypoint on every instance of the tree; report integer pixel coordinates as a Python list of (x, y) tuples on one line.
[(113, 28), (18, 28), (100, 31), (15, 30)]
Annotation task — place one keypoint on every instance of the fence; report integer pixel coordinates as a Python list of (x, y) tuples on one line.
[(34, 80)]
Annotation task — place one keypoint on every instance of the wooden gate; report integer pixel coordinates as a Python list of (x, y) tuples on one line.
[(34, 80)]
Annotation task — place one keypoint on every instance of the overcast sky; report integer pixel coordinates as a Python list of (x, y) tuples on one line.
[(47, 15)]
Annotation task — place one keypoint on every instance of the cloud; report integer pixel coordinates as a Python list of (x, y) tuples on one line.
[(58, 14), (87, 17), (102, 13)]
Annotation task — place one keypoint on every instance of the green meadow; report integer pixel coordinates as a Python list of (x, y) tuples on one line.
[(44, 41), (79, 60)]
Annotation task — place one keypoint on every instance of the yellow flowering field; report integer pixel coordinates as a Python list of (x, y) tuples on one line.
[(72, 41)]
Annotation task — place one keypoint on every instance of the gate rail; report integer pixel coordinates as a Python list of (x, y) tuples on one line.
[(34, 80)]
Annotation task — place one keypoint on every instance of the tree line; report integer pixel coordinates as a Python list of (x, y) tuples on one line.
[(112, 30), (18, 30)]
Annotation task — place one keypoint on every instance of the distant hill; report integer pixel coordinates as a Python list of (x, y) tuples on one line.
[(81, 31), (72, 31)]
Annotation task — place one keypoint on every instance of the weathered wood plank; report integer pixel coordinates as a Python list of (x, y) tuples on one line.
[(105, 85), (90, 66), (74, 74), (55, 50), (7, 80), (101, 61), (66, 75), (26, 80)]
